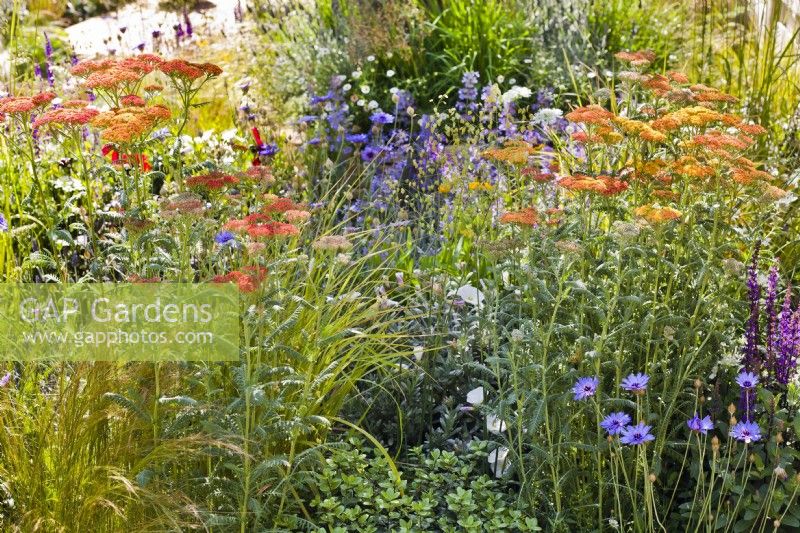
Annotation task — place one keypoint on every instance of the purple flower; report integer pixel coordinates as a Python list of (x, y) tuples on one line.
[(225, 237), (357, 138), (379, 117), (3, 223), (188, 24), (48, 47), (615, 423), (747, 380), (305, 119), (746, 432), (636, 435), (701, 425), (636, 383), (585, 387), (156, 34), (5, 379)]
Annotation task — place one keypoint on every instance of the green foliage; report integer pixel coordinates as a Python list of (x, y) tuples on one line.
[(441, 490)]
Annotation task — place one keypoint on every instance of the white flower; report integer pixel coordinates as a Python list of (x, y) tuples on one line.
[(361, 102), (393, 90), (498, 459), (372, 104), (546, 116), (228, 135), (370, 58), (390, 73), (471, 295), (346, 87), (355, 74), (501, 79), (515, 93), (418, 351), (475, 396), (495, 425), (365, 89)]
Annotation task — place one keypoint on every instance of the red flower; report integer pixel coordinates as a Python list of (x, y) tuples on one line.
[(121, 159)]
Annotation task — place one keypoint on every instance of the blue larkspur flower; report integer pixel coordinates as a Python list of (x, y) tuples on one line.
[(747, 380), (700, 425), (636, 382), (379, 117), (615, 422), (585, 387), (746, 432), (636, 435)]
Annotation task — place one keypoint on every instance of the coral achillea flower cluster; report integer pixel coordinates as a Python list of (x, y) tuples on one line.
[(264, 225), (130, 124), (524, 217), (65, 117), (213, 180), (513, 152), (248, 279), (656, 215), (605, 185), (23, 105)]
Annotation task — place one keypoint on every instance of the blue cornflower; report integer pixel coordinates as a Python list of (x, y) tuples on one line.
[(268, 149), (585, 387), (3, 223), (637, 383), (701, 425), (615, 423), (746, 432), (356, 138), (370, 152), (747, 380), (636, 435), (225, 237), (379, 117)]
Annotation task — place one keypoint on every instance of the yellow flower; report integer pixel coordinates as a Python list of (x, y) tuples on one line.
[(480, 186), (445, 188)]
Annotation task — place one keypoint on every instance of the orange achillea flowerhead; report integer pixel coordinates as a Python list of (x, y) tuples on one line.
[(183, 204), (247, 279), (658, 83), (605, 185), (75, 104), (524, 217), (717, 140), (143, 63), (281, 205), (20, 105), (133, 100), (153, 88), (744, 172), (84, 68), (665, 194), (112, 78), (678, 77), (271, 229), (591, 114), (690, 166), (130, 124), (213, 180), (750, 129), (514, 152), (772, 192), (709, 94), (696, 116), (260, 173), (640, 56), (537, 174), (180, 68), (65, 116), (655, 215), (639, 129)]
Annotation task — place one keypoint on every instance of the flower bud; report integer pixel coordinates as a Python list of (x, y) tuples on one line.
[(752, 458), (698, 384), (395, 98), (779, 438), (777, 523), (732, 421), (780, 472), (715, 443), (652, 477), (410, 111), (731, 409)]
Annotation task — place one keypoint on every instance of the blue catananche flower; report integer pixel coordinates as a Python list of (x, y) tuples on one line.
[(746, 432), (636, 435), (636, 383), (268, 149), (585, 387), (701, 425), (747, 380), (379, 117), (615, 422)]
